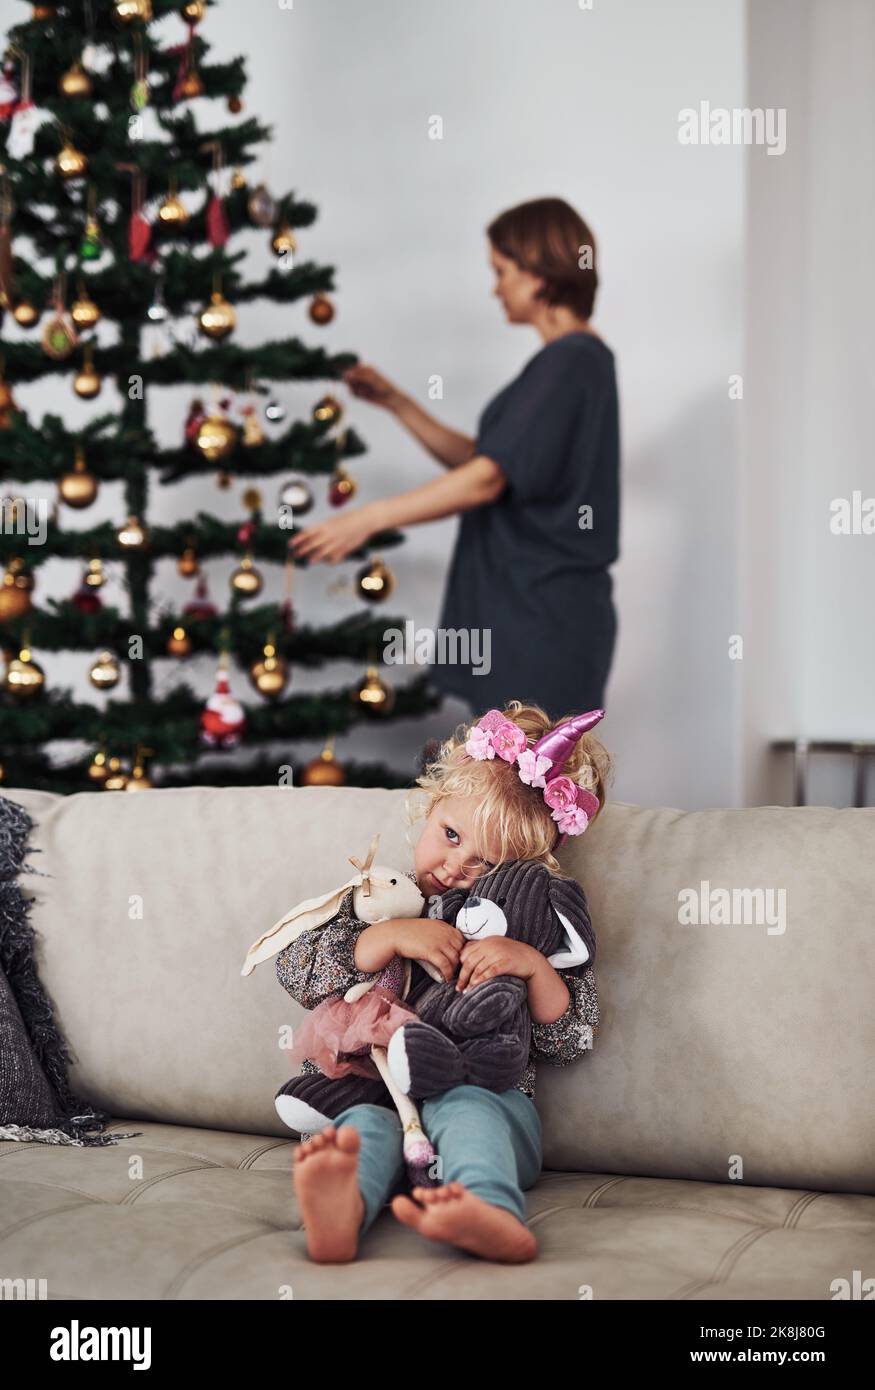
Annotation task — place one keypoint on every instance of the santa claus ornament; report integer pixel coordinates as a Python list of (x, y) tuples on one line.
[(222, 721)]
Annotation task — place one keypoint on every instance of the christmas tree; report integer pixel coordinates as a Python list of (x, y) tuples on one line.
[(108, 183)]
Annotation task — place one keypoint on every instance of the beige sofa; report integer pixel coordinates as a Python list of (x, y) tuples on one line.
[(718, 1143)]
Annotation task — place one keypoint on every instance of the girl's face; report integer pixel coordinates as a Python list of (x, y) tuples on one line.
[(446, 855)]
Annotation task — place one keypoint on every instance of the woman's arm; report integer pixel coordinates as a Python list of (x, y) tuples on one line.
[(471, 484), (466, 486), (449, 447)]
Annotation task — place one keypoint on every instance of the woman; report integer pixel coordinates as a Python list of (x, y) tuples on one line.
[(538, 489)]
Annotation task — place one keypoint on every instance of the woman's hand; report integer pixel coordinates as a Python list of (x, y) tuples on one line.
[(496, 955), (370, 385), (332, 540)]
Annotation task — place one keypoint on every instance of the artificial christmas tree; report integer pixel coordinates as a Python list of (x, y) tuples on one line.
[(113, 200)]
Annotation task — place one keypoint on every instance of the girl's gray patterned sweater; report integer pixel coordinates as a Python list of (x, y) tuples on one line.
[(321, 962)]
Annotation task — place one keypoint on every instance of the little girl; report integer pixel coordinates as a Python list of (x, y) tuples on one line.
[(487, 803)]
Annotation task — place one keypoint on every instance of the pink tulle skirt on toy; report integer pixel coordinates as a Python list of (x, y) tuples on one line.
[(338, 1036)]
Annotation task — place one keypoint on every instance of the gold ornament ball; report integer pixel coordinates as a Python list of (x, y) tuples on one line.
[(235, 106), (328, 409), (188, 564), (79, 487), (373, 695), (133, 535), (284, 241), (238, 179), (191, 86), (14, 603), (269, 674), (321, 309), (297, 494), (194, 11), (139, 782), (173, 213), (84, 312), (324, 771), (130, 10), (216, 437), (87, 383), (97, 769), (179, 643), (105, 673), (94, 577), (75, 82), (15, 591), (375, 582), (24, 679), (116, 780), (25, 313), (71, 163), (246, 579), (218, 319)]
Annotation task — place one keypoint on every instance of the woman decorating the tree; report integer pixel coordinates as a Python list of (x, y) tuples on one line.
[(537, 490)]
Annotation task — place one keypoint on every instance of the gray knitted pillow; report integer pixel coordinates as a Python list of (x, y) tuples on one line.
[(36, 1102)]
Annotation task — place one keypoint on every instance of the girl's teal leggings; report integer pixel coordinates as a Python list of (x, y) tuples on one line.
[(489, 1141)]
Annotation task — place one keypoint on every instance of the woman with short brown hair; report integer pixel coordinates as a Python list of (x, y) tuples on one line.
[(537, 490)]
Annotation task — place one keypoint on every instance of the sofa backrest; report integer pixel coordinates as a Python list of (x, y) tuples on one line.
[(736, 1041)]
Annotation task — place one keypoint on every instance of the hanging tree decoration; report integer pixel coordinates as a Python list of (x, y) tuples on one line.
[(270, 673), (341, 487), (324, 771), (79, 487), (70, 163), (83, 311), (188, 83), (26, 117), (218, 230), (59, 337), (218, 319), (328, 409), (321, 309), (105, 672), (261, 207), (223, 721), (140, 221), (24, 679), (140, 89), (87, 382), (16, 588), (8, 407), (200, 608), (172, 212), (139, 781), (133, 11), (75, 82)]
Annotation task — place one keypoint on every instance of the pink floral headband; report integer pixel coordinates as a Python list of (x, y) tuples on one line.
[(571, 806)]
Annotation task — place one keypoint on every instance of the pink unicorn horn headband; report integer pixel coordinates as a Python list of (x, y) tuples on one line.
[(571, 806)]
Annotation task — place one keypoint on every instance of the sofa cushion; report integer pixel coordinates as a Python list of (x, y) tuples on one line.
[(181, 1213), (725, 1052)]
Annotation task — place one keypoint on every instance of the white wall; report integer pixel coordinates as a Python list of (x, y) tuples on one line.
[(809, 666), (536, 100)]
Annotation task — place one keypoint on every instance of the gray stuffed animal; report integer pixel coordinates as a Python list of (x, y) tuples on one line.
[(483, 1037)]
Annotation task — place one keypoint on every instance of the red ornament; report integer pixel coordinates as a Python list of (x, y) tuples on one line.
[(222, 721), (86, 600), (196, 417), (244, 532), (139, 236), (217, 223), (200, 606)]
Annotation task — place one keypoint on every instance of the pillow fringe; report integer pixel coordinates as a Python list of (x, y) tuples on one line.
[(77, 1118)]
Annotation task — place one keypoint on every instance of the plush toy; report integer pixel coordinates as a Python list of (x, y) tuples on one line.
[(483, 1037), (308, 1103)]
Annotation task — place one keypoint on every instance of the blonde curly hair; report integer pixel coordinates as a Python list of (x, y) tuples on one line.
[(522, 821)]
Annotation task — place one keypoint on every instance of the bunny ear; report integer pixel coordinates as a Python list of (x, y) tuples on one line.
[(569, 903), (312, 913)]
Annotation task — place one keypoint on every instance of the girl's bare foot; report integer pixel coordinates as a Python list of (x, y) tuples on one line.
[(326, 1185), (454, 1214)]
